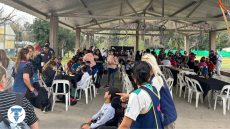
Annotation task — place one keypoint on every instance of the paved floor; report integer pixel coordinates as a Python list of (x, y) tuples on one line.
[(188, 116)]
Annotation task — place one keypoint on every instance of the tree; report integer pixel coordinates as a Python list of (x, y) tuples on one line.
[(176, 43), (6, 18)]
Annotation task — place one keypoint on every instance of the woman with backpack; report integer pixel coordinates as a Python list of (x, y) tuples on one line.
[(23, 74), (143, 111)]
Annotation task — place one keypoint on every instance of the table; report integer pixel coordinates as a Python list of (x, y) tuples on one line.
[(208, 84), (74, 79)]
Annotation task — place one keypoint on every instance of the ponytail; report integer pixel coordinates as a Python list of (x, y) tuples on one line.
[(21, 56)]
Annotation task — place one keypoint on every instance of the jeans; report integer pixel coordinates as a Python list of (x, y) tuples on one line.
[(113, 76)]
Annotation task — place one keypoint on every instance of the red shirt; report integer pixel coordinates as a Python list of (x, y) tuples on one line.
[(173, 63), (70, 63), (210, 65)]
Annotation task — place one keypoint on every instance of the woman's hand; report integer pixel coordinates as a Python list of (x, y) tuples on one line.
[(31, 89), (124, 96)]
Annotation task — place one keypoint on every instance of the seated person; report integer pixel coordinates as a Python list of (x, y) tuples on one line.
[(59, 65), (121, 63), (210, 65), (191, 65), (128, 67), (165, 61), (75, 65), (202, 62), (159, 61), (106, 112), (184, 62), (49, 71), (84, 77), (125, 58), (193, 56), (89, 70), (173, 62), (71, 62), (79, 69)]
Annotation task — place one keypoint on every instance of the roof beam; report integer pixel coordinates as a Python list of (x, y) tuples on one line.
[(182, 9), (130, 34), (131, 7), (193, 10), (93, 7), (141, 17), (148, 6), (163, 8), (89, 13)]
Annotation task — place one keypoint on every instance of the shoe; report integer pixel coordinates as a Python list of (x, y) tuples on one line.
[(107, 86)]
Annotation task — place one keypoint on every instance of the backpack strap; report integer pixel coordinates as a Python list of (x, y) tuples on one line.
[(19, 99)]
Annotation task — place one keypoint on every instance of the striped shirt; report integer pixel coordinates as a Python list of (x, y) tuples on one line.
[(8, 99)]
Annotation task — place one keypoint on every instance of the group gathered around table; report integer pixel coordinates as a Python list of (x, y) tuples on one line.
[(150, 103)]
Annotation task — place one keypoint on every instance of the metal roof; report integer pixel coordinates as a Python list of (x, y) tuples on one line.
[(207, 10)]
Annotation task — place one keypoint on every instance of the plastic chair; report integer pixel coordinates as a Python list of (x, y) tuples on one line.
[(189, 86), (170, 85), (198, 93), (119, 71), (88, 87), (92, 84), (181, 84), (225, 97), (55, 93), (128, 85), (43, 84)]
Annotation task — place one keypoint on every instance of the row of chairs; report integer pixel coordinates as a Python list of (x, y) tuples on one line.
[(88, 82)]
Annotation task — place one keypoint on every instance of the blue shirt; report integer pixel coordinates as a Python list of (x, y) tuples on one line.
[(74, 66)]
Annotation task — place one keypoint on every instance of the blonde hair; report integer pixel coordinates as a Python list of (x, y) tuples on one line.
[(77, 50), (2, 72), (151, 60), (4, 59), (21, 56)]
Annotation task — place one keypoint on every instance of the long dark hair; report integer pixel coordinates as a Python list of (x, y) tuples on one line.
[(114, 54), (48, 65), (95, 52), (141, 72)]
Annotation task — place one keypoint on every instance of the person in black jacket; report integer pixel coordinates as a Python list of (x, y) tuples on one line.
[(49, 72), (191, 65), (212, 57)]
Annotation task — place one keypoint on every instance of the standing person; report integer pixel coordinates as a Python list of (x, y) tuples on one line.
[(8, 99), (46, 55), (8, 64), (138, 56), (50, 49), (99, 62), (89, 57), (112, 62), (212, 57), (143, 111), (23, 74), (38, 57), (218, 63)]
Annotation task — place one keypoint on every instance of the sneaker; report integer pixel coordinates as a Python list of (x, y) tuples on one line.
[(107, 86)]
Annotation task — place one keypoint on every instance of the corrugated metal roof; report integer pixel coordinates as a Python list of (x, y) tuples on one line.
[(44, 8)]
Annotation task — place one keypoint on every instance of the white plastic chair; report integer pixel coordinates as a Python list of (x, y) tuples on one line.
[(170, 85), (55, 93), (43, 84), (181, 84), (189, 86), (88, 87), (123, 74), (92, 84), (198, 93), (225, 97), (119, 71), (128, 85)]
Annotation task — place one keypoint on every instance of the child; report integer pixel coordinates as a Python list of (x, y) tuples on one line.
[(210, 65), (128, 68), (75, 65), (89, 70), (79, 69), (59, 65), (143, 111), (106, 112)]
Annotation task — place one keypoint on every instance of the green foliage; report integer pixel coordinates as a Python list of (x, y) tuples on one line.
[(176, 44)]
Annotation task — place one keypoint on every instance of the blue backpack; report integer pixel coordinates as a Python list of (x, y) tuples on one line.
[(205, 70)]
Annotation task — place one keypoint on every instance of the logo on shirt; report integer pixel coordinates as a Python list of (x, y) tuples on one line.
[(16, 114)]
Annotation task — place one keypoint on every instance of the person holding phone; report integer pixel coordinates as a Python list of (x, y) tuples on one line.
[(23, 74)]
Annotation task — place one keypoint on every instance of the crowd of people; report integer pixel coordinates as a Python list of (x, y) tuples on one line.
[(150, 93)]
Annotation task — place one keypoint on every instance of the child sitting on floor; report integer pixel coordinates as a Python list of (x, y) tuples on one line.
[(106, 112)]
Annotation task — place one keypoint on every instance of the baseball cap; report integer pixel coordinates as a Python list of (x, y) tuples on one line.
[(211, 51), (59, 58), (113, 92)]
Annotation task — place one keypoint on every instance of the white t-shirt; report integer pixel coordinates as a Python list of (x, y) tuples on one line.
[(166, 62), (157, 84), (139, 102)]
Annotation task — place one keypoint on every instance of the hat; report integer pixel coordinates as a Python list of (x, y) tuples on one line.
[(37, 48), (113, 92), (59, 58), (211, 51)]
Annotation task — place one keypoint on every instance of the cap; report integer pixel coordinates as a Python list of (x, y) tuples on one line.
[(113, 92), (59, 58), (37, 48), (211, 51)]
